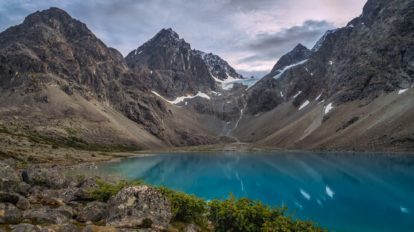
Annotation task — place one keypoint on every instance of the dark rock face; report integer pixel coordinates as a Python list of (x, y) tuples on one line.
[(218, 67), (133, 206), (174, 69), (299, 53), (52, 42), (373, 54), (269, 92)]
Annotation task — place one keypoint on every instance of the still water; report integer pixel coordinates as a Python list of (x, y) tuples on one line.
[(340, 191)]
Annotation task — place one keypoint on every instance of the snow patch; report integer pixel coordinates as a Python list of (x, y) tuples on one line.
[(181, 99), (328, 108), (297, 94), (319, 96), (304, 104), (277, 76), (281, 94), (401, 91), (331, 62), (305, 194)]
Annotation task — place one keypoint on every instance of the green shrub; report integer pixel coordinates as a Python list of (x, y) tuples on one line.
[(106, 190), (250, 216), (186, 208)]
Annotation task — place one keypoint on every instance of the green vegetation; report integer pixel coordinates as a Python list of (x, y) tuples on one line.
[(247, 215), (185, 207), (235, 215), (106, 190)]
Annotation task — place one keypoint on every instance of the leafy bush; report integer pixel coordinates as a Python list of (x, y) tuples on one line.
[(186, 208), (251, 216), (106, 190)]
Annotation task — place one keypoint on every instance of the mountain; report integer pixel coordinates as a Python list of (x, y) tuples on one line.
[(64, 85), (267, 93), (218, 67), (353, 92), (298, 54), (174, 68)]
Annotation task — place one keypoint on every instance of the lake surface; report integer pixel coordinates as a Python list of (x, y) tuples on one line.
[(340, 191)]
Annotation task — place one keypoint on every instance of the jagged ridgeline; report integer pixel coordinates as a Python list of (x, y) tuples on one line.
[(60, 85)]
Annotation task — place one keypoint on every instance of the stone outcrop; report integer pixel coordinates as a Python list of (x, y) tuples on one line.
[(51, 205)]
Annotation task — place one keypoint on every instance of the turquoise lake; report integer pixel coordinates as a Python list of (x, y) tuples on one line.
[(340, 191)]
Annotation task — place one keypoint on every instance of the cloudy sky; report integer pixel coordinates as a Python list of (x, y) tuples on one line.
[(250, 34)]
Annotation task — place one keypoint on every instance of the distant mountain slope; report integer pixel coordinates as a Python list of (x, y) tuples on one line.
[(352, 68)]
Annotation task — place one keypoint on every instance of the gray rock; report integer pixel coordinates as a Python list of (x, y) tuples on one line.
[(47, 215), (134, 206), (24, 227), (192, 228), (93, 211), (9, 214), (50, 178), (23, 188), (9, 178), (8, 197), (85, 188), (23, 203)]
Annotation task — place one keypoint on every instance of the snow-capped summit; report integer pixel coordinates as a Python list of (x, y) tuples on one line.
[(218, 67)]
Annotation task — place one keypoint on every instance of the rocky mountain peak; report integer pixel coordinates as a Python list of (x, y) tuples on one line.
[(218, 67), (168, 33), (299, 53)]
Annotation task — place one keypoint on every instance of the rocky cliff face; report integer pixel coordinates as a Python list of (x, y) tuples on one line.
[(49, 45), (174, 69), (218, 67), (298, 54), (268, 93)]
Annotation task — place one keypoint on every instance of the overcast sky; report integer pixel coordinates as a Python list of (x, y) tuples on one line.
[(250, 34)]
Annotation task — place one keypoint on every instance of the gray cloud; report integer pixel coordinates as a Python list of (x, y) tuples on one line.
[(244, 32), (270, 46)]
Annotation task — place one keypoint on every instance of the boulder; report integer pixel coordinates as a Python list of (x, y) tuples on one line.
[(9, 214), (93, 211), (50, 178), (139, 207), (94, 228), (23, 188), (23, 203), (9, 179), (192, 228), (24, 227), (8, 197), (48, 215), (85, 188), (68, 227)]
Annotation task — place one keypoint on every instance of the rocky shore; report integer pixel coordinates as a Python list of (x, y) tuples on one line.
[(37, 198)]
